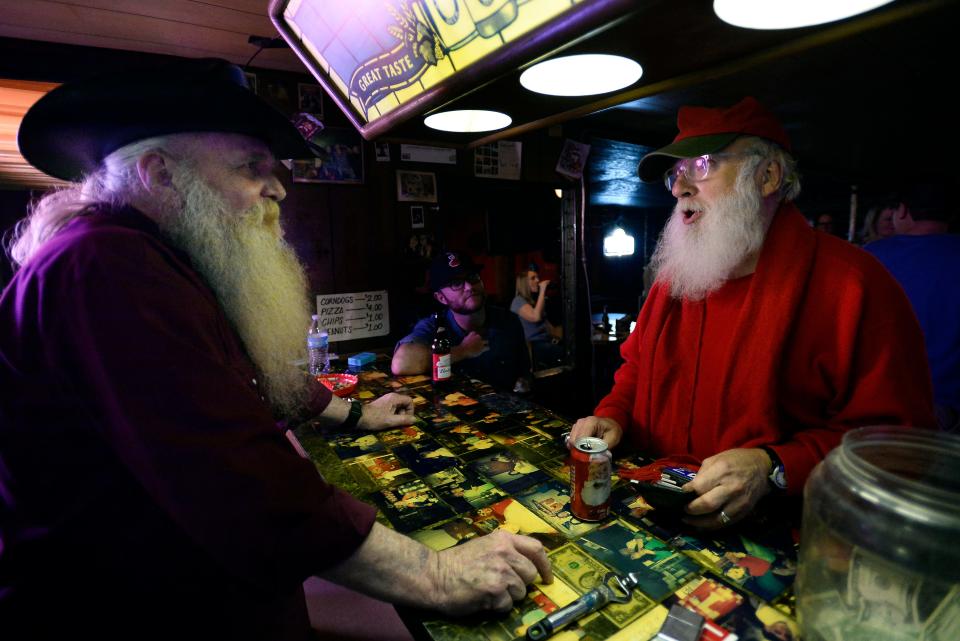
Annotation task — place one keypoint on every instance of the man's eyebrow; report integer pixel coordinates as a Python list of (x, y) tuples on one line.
[(257, 156)]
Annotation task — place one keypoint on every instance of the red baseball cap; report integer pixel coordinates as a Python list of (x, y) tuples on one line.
[(707, 130)]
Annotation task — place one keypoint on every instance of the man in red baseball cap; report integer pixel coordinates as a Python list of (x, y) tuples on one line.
[(762, 340)]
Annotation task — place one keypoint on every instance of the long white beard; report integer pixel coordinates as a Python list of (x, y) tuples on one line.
[(256, 277), (697, 259)]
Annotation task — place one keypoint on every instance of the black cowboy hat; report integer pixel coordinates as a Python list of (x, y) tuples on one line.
[(69, 131)]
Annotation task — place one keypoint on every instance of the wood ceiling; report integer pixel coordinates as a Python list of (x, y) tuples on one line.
[(865, 97), (188, 28)]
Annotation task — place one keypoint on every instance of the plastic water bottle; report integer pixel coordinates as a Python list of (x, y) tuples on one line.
[(318, 348)]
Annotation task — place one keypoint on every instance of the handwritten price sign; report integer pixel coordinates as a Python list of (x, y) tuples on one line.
[(351, 316)]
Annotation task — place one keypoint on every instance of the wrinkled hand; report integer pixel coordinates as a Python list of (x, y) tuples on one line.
[(732, 481), (390, 410), (606, 428), (489, 573), (473, 345)]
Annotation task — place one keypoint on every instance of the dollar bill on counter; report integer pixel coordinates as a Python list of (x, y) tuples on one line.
[(584, 573)]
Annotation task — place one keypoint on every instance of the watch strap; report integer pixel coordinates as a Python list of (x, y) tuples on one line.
[(356, 411), (777, 477)]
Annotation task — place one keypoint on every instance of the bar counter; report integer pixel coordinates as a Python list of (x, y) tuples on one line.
[(476, 460)]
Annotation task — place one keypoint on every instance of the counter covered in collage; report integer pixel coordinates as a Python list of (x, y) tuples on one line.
[(476, 461)]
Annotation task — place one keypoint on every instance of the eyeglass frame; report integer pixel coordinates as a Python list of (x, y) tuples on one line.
[(671, 176), (457, 284)]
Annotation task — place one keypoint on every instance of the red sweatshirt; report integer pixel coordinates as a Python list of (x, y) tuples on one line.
[(819, 340)]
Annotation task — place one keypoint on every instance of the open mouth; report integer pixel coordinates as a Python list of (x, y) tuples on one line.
[(691, 216)]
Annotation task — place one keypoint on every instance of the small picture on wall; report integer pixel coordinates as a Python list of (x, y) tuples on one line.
[(311, 99), (307, 124), (416, 186), (416, 217), (277, 95), (339, 158), (383, 151), (572, 159)]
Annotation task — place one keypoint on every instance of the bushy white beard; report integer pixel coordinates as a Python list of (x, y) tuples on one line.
[(254, 274), (697, 259)]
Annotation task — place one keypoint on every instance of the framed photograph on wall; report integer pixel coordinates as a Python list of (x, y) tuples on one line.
[(416, 186), (310, 99), (416, 217), (339, 158), (383, 151), (572, 159), (278, 94)]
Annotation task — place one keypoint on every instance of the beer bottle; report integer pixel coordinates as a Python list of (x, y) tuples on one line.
[(442, 364)]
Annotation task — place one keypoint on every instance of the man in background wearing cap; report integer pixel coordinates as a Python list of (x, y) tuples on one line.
[(925, 260), (145, 489), (762, 340), (487, 341)]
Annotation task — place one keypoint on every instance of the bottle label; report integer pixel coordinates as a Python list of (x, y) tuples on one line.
[(315, 342), (442, 368)]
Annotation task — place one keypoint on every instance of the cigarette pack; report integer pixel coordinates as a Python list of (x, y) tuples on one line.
[(361, 359)]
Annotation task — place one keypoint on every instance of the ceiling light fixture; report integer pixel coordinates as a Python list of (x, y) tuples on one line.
[(789, 14), (467, 120), (582, 75)]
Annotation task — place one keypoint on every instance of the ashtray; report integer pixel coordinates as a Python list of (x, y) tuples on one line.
[(339, 384)]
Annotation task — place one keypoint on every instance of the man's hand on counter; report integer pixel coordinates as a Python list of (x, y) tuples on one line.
[(489, 573), (486, 574), (729, 484), (604, 428), (388, 411)]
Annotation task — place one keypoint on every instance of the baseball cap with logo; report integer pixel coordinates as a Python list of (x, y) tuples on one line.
[(449, 266), (707, 130)]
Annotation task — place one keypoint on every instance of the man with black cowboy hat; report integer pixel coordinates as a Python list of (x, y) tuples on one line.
[(762, 340), (145, 489), (487, 341)]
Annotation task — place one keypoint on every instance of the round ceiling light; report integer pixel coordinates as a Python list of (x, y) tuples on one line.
[(582, 75), (789, 14), (467, 120)]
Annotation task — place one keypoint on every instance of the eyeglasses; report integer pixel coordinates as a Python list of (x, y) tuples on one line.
[(697, 169), (457, 283)]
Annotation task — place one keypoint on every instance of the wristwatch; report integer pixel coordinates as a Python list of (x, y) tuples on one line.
[(777, 478), (356, 411)]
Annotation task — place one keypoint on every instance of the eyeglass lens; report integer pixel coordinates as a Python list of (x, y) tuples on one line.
[(457, 284), (694, 169)]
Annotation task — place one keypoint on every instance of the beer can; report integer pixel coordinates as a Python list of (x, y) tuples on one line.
[(590, 479)]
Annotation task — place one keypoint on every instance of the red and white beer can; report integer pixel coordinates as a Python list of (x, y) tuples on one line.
[(590, 479)]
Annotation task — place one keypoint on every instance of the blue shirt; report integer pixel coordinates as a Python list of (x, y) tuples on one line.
[(502, 364), (533, 331), (928, 269)]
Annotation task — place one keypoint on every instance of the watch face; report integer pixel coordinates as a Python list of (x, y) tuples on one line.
[(778, 478)]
